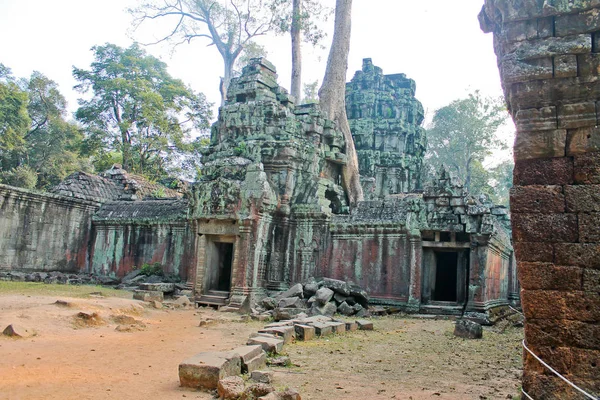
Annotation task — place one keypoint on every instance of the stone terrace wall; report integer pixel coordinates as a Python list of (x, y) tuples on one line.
[(43, 231), (549, 60)]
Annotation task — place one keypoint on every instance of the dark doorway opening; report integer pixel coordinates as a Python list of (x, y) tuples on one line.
[(225, 258), (446, 275)]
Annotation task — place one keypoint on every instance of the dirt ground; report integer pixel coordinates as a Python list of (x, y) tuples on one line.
[(404, 358)]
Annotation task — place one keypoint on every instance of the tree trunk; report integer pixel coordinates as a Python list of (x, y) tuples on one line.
[(332, 96), (226, 79), (296, 89)]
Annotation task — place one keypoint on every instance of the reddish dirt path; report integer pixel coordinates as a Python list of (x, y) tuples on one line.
[(99, 362)]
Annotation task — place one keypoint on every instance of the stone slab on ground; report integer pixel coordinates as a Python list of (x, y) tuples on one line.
[(148, 295), (253, 357), (286, 332), (351, 326), (262, 376), (338, 327), (322, 328), (230, 388), (364, 325), (468, 329), (204, 370), (158, 287), (305, 332), (270, 345)]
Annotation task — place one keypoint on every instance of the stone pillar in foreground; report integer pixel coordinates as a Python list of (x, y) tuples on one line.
[(549, 60)]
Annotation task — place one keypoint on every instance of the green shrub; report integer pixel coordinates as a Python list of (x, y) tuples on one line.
[(152, 269)]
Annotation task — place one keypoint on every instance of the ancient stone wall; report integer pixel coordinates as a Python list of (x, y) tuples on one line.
[(127, 234), (549, 60), (43, 231), (385, 120)]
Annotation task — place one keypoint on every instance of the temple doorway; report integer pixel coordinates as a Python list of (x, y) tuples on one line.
[(219, 261)]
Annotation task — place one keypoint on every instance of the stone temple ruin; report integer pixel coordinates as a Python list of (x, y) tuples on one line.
[(269, 210)]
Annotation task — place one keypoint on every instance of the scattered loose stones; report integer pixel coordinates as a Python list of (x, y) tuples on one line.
[(468, 329)]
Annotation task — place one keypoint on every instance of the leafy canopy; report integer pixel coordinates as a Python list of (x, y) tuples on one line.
[(463, 134), (138, 110)]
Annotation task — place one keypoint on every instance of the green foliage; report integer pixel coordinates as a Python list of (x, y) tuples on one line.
[(312, 14), (241, 149), (155, 268), (21, 176), (463, 134), (35, 134), (139, 111), (311, 92), (14, 119), (159, 193)]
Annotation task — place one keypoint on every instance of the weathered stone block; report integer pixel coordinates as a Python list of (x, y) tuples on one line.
[(534, 119), (537, 199), (589, 228), (204, 370), (549, 47), (146, 295), (591, 280), (338, 327), (553, 304), (588, 64), (17, 331), (230, 388), (565, 66), (291, 302), (287, 333), (324, 295), (582, 198), (583, 140), (553, 171), (562, 332), (322, 328), (468, 329), (158, 287), (587, 168), (252, 357), (548, 276), (515, 70), (262, 376), (572, 24), (549, 228), (540, 144), (294, 291), (270, 345), (521, 30), (305, 332), (582, 254), (364, 325), (571, 116)]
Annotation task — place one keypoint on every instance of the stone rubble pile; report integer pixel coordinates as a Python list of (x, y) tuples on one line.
[(222, 370), (312, 298)]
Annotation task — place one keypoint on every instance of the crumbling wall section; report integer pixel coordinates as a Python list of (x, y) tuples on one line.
[(549, 60), (43, 232)]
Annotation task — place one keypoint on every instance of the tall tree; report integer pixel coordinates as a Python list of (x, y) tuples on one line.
[(138, 109), (229, 25), (14, 119), (464, 133), (333, 100)]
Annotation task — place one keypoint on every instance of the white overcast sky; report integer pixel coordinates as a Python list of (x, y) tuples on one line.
[(437, 43)]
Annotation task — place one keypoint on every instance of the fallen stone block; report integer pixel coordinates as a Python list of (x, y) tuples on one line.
[(283, 361), (262, 376), (183, 301), (294, 291), (345, 309), (205, 370), (158, 287), (270, 345), (270, 396), (291, 302), (156, 304), (281, 314), (253, 357), (317, 318), (17, 331), (468, 329), (351, 326), (328, 309), (280, 323), (290, 394), (304, 332), (337, 286), (230, 388), (324, 296), (364, 325), (257, 390), (288, 333), (146, 295), (338, 327), (322, 329)]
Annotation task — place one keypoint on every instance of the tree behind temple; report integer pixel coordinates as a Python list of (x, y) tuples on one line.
[(464, 133), (138, 109)]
